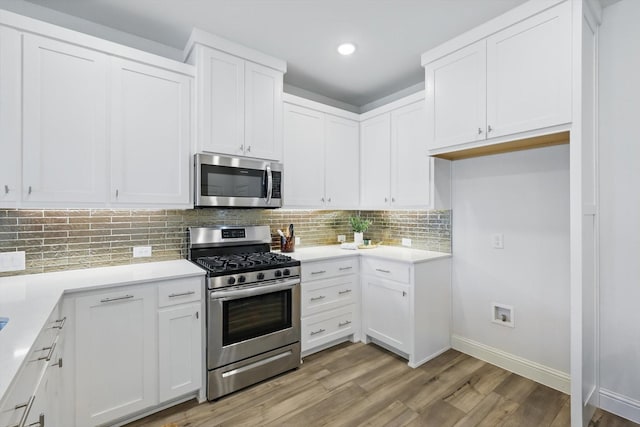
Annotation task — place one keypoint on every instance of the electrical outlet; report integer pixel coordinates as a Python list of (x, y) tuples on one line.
[(342, 238), (141, 251), (406, 242), (498, 241), (12, 261), (297, 240)]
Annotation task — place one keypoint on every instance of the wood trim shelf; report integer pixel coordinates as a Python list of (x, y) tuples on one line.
[(506, 147)]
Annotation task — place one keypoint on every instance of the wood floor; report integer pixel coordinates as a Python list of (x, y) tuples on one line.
[(364, 385)]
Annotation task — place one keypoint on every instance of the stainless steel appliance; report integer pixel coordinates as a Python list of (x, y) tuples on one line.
[(253, 306), (222, 181)]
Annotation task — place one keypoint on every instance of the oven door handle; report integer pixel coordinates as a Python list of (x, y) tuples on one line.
[(254, 290)]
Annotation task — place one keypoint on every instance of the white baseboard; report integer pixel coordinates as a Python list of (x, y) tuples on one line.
[(426, 359), (534, 371), (620, 405)]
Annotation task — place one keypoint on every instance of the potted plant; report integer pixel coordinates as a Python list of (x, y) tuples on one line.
[(359, 226)]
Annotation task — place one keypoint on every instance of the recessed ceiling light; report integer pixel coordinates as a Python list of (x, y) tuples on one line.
[(346, 49)]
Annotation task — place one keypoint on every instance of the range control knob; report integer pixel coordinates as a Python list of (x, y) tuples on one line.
[(278, 273), (260, 276), (231, 280), (286, 272), (241, 279)]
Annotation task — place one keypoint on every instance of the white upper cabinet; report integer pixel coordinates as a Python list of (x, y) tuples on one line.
[(263, 112), (64, 122), (239, 98), (515, 83), (9, 116), (396, 172), (529, 74), (410, 164), (456, 97), (341, 159), (150, 132), (321, 159), (221, 102), (375, 165)]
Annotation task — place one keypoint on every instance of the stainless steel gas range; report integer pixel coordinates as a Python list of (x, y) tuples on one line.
[(253, 306)]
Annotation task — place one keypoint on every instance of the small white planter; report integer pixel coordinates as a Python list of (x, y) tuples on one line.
[(358, 238)]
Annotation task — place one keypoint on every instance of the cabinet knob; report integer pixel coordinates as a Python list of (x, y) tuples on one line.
[(6, 189), (322, 199), (29, 191), (117, 193), (329, 200), (393, 199), (404, 294), (248, 149), (241, 147), (479, 131), (386, 200), (489, 128), (58, 363)]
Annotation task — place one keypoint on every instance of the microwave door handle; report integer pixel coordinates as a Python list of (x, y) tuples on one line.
[(269, 184)]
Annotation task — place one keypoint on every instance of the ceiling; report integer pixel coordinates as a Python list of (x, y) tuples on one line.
[(390, 34)]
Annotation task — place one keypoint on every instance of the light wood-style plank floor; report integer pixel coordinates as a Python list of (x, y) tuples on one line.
[(364, 385)]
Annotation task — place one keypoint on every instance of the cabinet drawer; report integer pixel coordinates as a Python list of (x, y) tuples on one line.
[(390, 270), (328, 326), (325, 269), (321, 295), (179, 291)]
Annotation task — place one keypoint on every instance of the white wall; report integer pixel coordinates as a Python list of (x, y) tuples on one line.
[(619, 162), (82, 25), (525, 196)]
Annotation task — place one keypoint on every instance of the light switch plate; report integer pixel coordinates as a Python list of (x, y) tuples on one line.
[(12, 261), (141, 251), (498, 241)]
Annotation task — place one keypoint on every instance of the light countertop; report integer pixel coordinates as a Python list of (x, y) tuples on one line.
[(28, 301), (393, 253)]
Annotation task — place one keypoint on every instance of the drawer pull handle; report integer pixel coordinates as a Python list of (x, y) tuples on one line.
[(383, 271), (318, 272), (116, 299), (27, 405), (319, 331), (345, 323), (49, 354), (318, 298), (345, 268), (58, 363), (60, 323), (346, 291), (182, 294)]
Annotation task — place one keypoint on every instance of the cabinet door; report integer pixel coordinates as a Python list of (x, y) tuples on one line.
[(456, 97), (304, 157), (116, 359), (342, 162), (9, 115), (387, 312), (221, 127), (375, 152), (180, 350), (410, 164), (64, 122), (529, 73), (263, 112), (150, 134)]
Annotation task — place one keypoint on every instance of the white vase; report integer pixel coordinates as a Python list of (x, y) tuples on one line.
[(358, 238)]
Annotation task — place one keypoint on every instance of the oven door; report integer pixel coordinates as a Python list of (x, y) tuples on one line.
[(237, 182), (245, 322)]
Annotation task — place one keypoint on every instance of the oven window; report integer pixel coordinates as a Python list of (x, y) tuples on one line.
[(252, 317), (223, 181)]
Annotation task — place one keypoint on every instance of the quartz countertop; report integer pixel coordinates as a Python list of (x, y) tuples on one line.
[(29, 300), (393, 253)]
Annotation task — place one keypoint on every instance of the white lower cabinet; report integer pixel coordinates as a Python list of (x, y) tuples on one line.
[(330, 303), (136, 347), (116, 357), (406, 306)]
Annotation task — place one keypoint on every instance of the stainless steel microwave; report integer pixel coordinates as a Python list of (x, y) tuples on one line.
[(222, 181)]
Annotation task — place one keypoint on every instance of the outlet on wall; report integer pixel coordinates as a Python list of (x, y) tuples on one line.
[(141, 251), (342, 238), (297, 240), (12, 261), (497, 241), (406, 242)]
